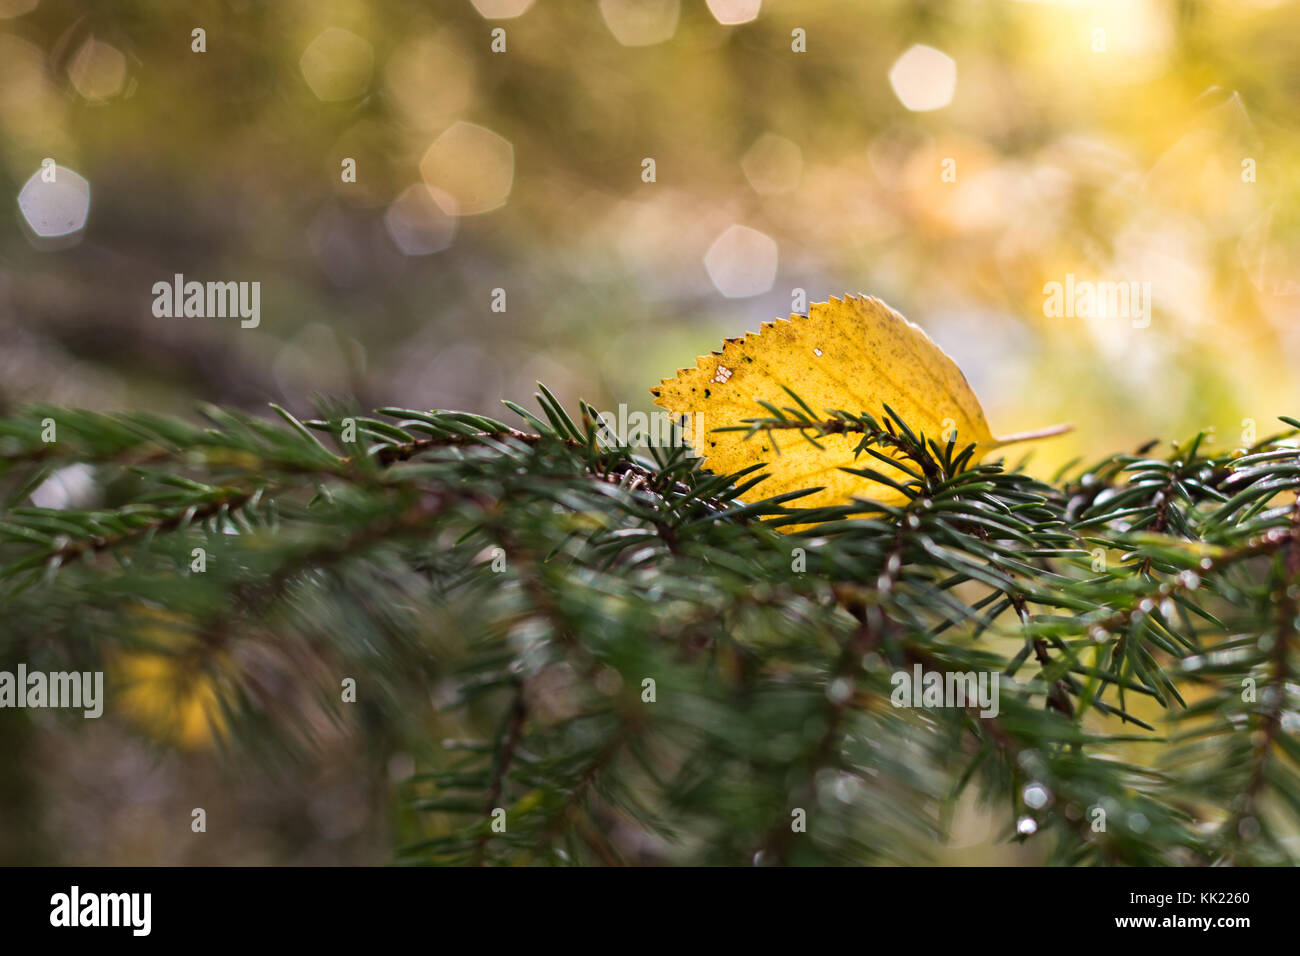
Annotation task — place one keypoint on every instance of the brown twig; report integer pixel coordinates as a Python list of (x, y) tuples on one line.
[(513, 733), (1270, 722)]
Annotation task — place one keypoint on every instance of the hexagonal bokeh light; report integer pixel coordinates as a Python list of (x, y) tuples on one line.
[(54, 210), (924, 78), (98, 70), (337, 65), (473, 165), (72, 486), (641, 22), (742, 262), (501, 9), (773, 165), (731, 12), (430, 79), (418, 223)]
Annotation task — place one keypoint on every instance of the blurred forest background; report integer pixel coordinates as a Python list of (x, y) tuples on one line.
[(1125, 140)]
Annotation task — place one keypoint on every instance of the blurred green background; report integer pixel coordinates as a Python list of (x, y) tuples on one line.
[(949, 157)]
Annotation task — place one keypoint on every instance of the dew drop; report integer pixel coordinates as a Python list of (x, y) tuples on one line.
[(1036, 796), (839, 691)]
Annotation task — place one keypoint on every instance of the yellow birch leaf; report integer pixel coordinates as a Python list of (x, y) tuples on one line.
[(174, 688), (854, 354)]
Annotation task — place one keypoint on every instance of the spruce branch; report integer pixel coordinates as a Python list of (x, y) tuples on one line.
[(639, 665)]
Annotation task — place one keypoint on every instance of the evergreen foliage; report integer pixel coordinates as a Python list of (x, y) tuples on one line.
[(515, 589)]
